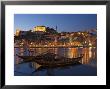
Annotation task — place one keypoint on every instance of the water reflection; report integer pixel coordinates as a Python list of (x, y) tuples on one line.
[(89, 56)]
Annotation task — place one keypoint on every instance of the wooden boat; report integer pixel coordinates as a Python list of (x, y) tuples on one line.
[(51, 59), (58, 62)]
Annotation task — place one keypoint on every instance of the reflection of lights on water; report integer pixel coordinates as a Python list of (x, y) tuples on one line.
[(72, 52), (56, 50), (90, 52), (67, 52), (39, 50), (81, 47), (86, 56), (94, 55)]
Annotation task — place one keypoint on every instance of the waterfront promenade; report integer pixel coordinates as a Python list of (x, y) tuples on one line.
[(66, 46)]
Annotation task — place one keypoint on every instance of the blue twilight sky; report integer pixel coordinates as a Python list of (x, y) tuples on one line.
[(64, 22)]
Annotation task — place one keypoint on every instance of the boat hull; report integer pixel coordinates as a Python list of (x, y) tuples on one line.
[(59, 63), (50, 60)]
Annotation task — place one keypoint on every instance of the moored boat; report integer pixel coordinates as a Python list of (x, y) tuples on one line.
[(51, 59), (59, 62)]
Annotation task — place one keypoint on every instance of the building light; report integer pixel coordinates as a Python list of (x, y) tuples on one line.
[(90, 44), (22, 43), (31, 43), (79, 33), (40, 29), (17, 32)]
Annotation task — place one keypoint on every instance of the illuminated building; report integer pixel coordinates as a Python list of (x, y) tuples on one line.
[(40, 29), (17, 32)]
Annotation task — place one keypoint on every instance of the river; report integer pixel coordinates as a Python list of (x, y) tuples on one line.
[(87, 66)]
